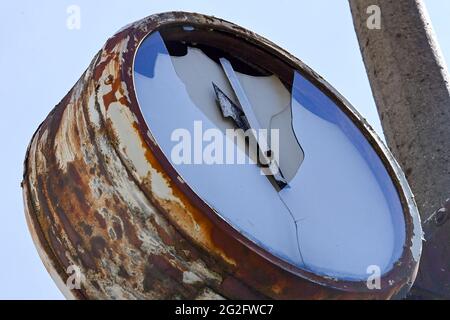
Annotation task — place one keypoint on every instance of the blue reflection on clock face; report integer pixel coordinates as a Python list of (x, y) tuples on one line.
[(340, 213)]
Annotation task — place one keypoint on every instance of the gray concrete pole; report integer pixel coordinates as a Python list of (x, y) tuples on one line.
[(410, 84)]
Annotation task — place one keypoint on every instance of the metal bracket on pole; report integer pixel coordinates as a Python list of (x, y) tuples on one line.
[(438, 219)]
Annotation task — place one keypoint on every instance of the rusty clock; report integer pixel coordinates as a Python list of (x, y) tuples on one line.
[(195, 159)]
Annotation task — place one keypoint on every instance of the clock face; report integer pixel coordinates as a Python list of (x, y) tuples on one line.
[(269, 152)]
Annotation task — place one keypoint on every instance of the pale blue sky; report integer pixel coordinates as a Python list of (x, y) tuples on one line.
[(41, 59)]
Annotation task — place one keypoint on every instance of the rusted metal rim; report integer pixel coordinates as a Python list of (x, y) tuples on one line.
[(104, 104)]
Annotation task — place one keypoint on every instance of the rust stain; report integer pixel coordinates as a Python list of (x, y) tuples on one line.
[(187, 216)]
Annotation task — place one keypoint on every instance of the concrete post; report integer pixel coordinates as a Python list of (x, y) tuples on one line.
[(410, 84)]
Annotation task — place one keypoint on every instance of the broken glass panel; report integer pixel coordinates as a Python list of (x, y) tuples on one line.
[(338, 211)]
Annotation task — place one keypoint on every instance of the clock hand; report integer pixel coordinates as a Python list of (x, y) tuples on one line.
[(245, 119), (253, 122), (230, 110)]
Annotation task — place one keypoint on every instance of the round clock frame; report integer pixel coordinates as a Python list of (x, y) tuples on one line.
[(101, 196)]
